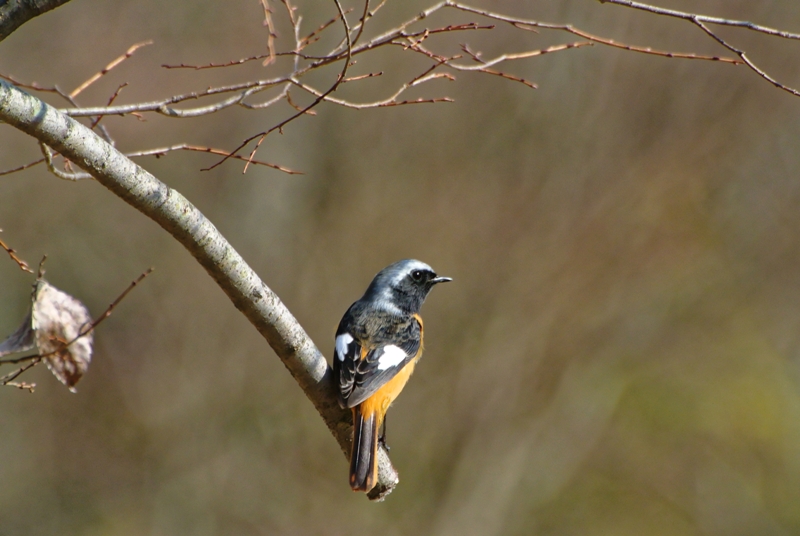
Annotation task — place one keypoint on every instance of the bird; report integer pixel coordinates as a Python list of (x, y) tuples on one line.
[(378, 344)]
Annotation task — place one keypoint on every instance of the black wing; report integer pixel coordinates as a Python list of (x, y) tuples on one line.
[(359, 371)]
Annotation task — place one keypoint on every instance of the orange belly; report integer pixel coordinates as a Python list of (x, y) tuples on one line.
[(383, 397)]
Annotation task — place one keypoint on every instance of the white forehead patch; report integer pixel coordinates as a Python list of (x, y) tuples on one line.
[(342, 342), (409, 267), (391, 357)]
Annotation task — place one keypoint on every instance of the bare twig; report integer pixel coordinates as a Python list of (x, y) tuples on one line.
[(16, 360), (94, 78), (36, 87), (25, 386), (164, 106), (361, 77), (65, 175), (105, 314), (529, 24), (747, 60), (8, 379), (20, 168), (266, 104), (216, 65), (310, 38), (483, 65), (362, 24), (262, 136), (14, 257), (297, 107), (271, 34), (186, 147), (350, 48), (703, 22), (110, 102), (383, 103), (703, 18)]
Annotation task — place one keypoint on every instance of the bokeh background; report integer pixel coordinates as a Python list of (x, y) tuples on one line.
[(619, 353)]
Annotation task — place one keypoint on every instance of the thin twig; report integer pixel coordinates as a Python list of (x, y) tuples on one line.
[(94, 78), (186, 147), (518, 56), (14, 257), (105, 314), (216, 65), (747, 60), (20, 168), (110, 102), (322, 27), (271, 34), (362, 24), (164, 106), (297, 107), (36, 87), (702, 22), (261, 136), (19, 359), (25, 386), (361, 77), (383, 103), (8, 379), (529, 24), (703, 18), (266, 104)]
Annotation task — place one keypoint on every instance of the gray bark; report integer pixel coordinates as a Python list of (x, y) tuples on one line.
[(15, 13)]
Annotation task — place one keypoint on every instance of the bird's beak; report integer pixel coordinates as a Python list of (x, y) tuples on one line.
[(440, 280)]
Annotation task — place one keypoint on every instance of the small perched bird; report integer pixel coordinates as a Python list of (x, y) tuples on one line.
[(378, 343)]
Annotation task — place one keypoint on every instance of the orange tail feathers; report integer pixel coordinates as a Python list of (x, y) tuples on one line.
[(364, 456)]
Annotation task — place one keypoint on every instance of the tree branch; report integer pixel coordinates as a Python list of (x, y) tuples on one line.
[(186, 223), (15, 13), (703, 18), (703, 22)]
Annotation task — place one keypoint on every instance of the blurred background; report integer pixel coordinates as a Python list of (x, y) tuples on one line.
[(619, 353)]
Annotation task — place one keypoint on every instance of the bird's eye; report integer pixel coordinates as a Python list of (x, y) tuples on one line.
[(416, 275)]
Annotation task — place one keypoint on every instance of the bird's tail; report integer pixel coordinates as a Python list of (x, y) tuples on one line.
[(363, 457)]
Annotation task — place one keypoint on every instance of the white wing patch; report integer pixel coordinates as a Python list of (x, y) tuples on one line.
[(342, 342), (391, 357)]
